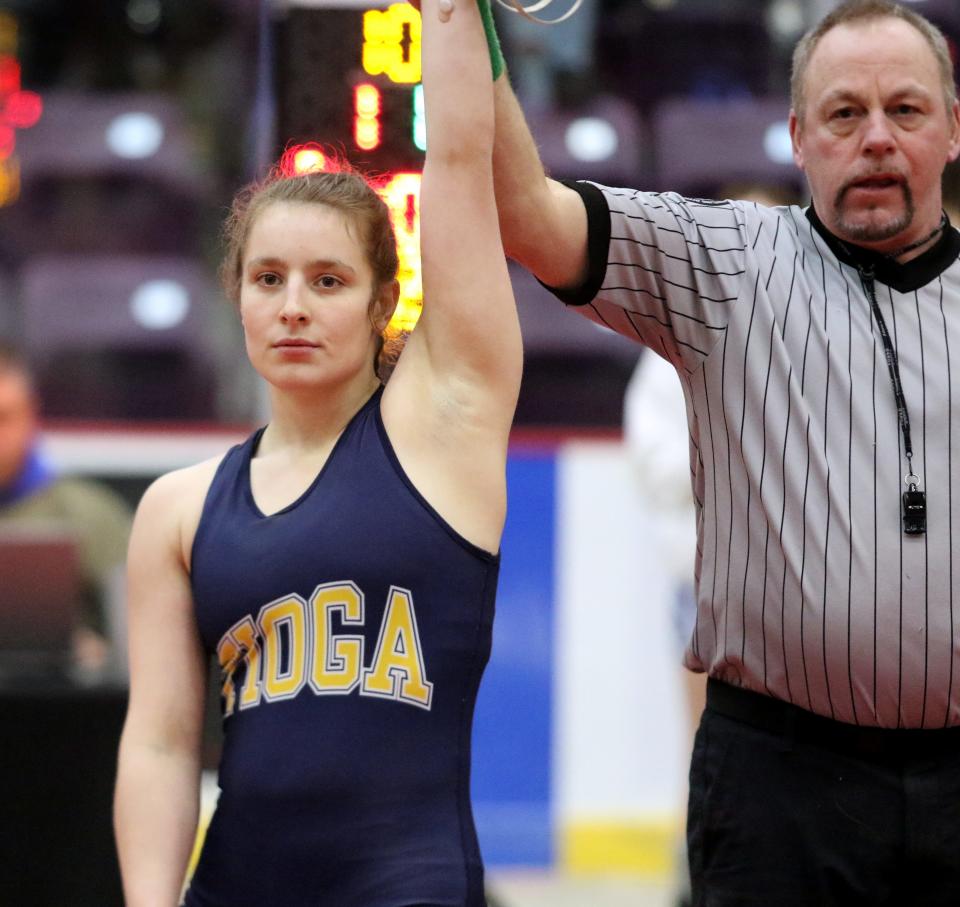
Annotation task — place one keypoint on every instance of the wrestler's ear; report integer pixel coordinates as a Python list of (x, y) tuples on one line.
[(384, 304)]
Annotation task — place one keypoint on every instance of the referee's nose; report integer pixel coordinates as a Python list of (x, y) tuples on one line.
[(878, 134)]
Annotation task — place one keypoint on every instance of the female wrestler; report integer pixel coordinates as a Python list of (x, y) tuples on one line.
[(341, 563)]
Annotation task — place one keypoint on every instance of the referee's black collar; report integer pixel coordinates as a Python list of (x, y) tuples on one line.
[(904, 278)]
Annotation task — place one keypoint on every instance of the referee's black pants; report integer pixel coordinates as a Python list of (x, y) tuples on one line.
[(791, 810)]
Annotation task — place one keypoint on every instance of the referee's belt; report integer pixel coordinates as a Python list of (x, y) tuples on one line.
[(795, 724)]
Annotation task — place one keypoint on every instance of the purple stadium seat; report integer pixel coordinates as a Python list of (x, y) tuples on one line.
[(105, 172), (73, 140), (624, 166), (702, 145), (121, 337)]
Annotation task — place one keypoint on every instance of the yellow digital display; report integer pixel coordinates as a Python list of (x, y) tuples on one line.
[(391, 48), (402, 195), (377, 122), (391, 43), (366, 116)]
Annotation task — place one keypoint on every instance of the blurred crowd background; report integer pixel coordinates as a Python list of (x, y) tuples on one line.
[(128, 125)]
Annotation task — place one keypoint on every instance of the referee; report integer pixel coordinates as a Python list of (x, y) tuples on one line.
[(819, 353)]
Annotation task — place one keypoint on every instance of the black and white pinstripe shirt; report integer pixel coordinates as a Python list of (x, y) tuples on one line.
[(809, 590)]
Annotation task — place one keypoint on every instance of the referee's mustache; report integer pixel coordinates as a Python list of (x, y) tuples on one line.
[(879, 177)]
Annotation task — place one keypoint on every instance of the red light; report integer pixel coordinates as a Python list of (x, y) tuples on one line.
[(9, 75), (22, 109), (311, 157), (367, 134), (366, 121), (367, 100), (308, 160)]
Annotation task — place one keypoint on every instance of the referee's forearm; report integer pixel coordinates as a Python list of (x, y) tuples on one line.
[(535, 228), (519, 179)]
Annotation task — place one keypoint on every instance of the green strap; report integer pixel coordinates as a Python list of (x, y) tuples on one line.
[(497, 62)]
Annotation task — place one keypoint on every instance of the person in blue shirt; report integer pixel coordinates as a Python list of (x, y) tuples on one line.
[(33, 493)]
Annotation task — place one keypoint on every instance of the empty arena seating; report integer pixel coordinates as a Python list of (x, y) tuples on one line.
[(702, 145), (602, 139), (122, 337), (113, 172)]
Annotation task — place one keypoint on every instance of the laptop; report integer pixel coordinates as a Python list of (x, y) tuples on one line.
[(40, 585)]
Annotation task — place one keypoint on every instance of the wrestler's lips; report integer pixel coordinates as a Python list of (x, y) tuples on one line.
[(295, 345)]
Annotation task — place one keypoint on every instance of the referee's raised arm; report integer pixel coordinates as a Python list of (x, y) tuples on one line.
[(543, 223)]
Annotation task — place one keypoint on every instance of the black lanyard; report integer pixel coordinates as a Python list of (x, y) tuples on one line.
[(914, 501)]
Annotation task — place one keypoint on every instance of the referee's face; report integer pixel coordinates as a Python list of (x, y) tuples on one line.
[(876, 133)]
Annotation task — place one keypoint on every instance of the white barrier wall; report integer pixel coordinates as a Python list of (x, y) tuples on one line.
[(620, 732)]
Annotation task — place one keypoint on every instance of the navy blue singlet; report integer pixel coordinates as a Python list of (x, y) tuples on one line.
[(352, 629)]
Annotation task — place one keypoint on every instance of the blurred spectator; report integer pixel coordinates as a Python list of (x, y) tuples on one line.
[(32, 492), (657, 439)]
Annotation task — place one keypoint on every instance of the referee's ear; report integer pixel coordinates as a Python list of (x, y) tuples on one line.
[(795, 138), (954, 114)]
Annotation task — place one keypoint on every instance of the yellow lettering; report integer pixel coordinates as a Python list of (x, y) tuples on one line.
[(246, 634), (228, 655), (238, 645), (283, 621), (397, 671), (336, 659)]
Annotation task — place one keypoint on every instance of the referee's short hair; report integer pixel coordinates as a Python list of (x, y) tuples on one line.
[(862, 11)]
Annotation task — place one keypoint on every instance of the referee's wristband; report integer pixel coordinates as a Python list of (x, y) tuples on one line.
[(497, 63)]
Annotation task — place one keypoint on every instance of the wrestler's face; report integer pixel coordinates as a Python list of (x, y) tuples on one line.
[(876, 133), (18, 422), (305, 298)]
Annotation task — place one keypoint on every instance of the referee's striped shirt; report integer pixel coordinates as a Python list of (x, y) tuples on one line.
[(808, 588)]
